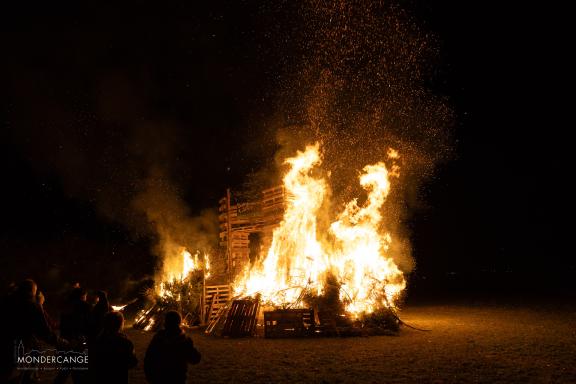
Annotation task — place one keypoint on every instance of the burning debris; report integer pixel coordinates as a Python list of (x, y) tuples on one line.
[(182, 291), (351, 273)]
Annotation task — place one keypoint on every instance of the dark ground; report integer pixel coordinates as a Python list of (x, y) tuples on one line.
[(468, 343)]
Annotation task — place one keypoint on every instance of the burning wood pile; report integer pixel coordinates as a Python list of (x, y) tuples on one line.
[(310, 278), (342, 282), (181, 292)]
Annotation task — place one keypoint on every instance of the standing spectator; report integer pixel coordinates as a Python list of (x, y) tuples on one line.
[(169, 353), (99, 311), (74, 326), (41, 299), (111, 353), (22, 321), (75, 320)]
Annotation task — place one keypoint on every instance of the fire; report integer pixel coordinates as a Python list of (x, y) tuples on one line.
[(357, 254), (182, 281), (206, 266), (295, 258), (179, 272), (361, 263), (187, 265), (149, 325)]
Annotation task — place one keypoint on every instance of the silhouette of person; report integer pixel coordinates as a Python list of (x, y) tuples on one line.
[(41, 299), (75, 320), (169, 353), (100, 310), (74, 326), (22, 323), (111, 353)]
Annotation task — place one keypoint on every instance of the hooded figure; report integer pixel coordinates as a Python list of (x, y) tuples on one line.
[(112, 353), (169, 353)]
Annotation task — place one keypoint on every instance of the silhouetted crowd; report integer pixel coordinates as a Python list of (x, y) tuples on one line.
[(85, 328)]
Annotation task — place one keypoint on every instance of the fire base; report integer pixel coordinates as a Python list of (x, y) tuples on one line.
[(287, 323), (284, 323)]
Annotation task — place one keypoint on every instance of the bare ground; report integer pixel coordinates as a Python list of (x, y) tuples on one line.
[(466, 344)]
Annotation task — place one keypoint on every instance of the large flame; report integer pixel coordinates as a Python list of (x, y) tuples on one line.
[(295, 259), (179, 271), (357, 254)]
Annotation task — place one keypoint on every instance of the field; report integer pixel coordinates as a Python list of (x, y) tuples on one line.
[(466, 344)]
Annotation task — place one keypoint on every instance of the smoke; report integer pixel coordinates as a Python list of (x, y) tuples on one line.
[(173, 225), (117, 157)]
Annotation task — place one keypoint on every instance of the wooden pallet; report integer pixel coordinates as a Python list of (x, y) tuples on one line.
[(238, 221), (217, 323), (215, 297), (241, 318), (283, 323)]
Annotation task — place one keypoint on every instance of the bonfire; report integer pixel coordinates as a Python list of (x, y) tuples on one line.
[(179, 291), (345, 279), (348, 277)]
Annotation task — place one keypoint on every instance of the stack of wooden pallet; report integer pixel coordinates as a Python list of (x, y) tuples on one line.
[(283, 323), (273, 207), (239, 220)]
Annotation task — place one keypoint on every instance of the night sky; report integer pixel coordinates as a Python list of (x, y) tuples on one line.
[(94, 99)]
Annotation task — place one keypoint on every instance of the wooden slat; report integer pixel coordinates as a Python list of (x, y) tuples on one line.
[(241, 318), (217, 296)]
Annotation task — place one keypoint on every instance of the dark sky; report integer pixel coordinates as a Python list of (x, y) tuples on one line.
[(92, 99)]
